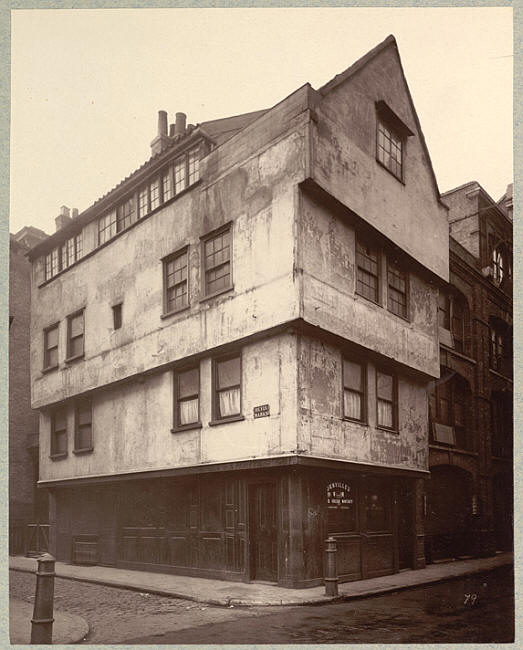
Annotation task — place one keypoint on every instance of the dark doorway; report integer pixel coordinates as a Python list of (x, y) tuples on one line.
[(264, 534)]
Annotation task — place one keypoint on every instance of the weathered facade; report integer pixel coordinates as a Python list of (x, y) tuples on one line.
[(26, 504), (232, 348), (469, 496)]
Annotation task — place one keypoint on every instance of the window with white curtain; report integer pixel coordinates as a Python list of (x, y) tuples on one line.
[(353, 390), (227, 387), (187, 397), (387, 401)]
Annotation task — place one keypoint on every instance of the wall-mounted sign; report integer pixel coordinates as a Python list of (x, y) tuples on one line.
[(339, 495), (262, 411)]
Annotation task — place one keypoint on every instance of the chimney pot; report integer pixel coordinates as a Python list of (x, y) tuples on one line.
[(179, 126), (171, 130), (64, 211), (162, 123)]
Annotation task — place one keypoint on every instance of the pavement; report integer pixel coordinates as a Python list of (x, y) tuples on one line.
[(67, 628), (71, 629)]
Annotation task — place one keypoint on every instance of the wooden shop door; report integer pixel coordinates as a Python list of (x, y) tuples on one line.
[(264, 534)]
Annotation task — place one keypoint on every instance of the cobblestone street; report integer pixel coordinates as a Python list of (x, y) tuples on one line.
[(114, 614)]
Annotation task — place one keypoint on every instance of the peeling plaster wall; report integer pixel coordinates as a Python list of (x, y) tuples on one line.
[(328, 257), (322, 430), (258, 196), (132, 422), (344, 163)]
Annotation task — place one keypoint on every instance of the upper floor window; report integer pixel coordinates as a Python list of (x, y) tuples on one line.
[(107, 227), (387, 400), (354, 390), (367, 271), (500, 261), (217, 262), (449, 403), (444, 310), (390, 149), (227, 387), (75, 335), (194, 166), (500, 346), (175, 282), (117, 316), (51, 347), (125, 214), (187, 398), (59, 432), (143, 202), (83, 429), (397, 290), (63, 256)]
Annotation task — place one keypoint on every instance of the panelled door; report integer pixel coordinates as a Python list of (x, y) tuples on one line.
[(263, 532)]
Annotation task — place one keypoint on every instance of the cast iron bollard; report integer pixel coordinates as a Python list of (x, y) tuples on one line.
[(331, 575), (42, 621)]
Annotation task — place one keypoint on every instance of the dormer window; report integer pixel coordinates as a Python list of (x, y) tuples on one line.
[(390, 150), (391, 137)]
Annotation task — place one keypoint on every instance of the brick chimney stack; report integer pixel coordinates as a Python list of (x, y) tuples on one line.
[(63, 218), (161, 141)]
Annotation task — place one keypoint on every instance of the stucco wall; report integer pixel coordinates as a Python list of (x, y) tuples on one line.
[(258, 196), (328, 258), (132, 422), (344, 145), (322, 431)]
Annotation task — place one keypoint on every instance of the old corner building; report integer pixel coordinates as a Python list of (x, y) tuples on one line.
[(232, 349)]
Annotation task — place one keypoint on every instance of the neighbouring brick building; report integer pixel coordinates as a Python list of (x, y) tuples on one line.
[(231, 350), (26, 504), (469, 496)]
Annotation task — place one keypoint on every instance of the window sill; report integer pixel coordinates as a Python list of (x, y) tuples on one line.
[(403, 318), (58, 456), (217, 293), (187, 427), (374, 302), (49, 369), (364, 423), (500, 374), (79, 452), (387, 429), (73, 359), (231, 418), (168, 314)]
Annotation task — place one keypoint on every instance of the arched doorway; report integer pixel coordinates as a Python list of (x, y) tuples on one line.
[(448, 524)]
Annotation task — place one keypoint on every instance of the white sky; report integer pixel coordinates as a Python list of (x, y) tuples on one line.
[(87, 86)]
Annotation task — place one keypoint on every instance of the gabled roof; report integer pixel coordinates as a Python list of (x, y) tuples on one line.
[(222, 129), (390, 41)]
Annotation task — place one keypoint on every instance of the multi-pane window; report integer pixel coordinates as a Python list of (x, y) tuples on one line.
[(387, 403), (167, 185), (390, 150), (175, 280), (154, 189), (194, 166), (497, 349), (227, 387), (125, 214), (449, 404), (397, 290), (179, 175), (75, 335), (143, 202), (217, 262), (444, 311), (107, 227), (367, 274), (353, 390), (83, 430), (51, 347), (59, 432), (458, 325), (187, 397), (78, 242)]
